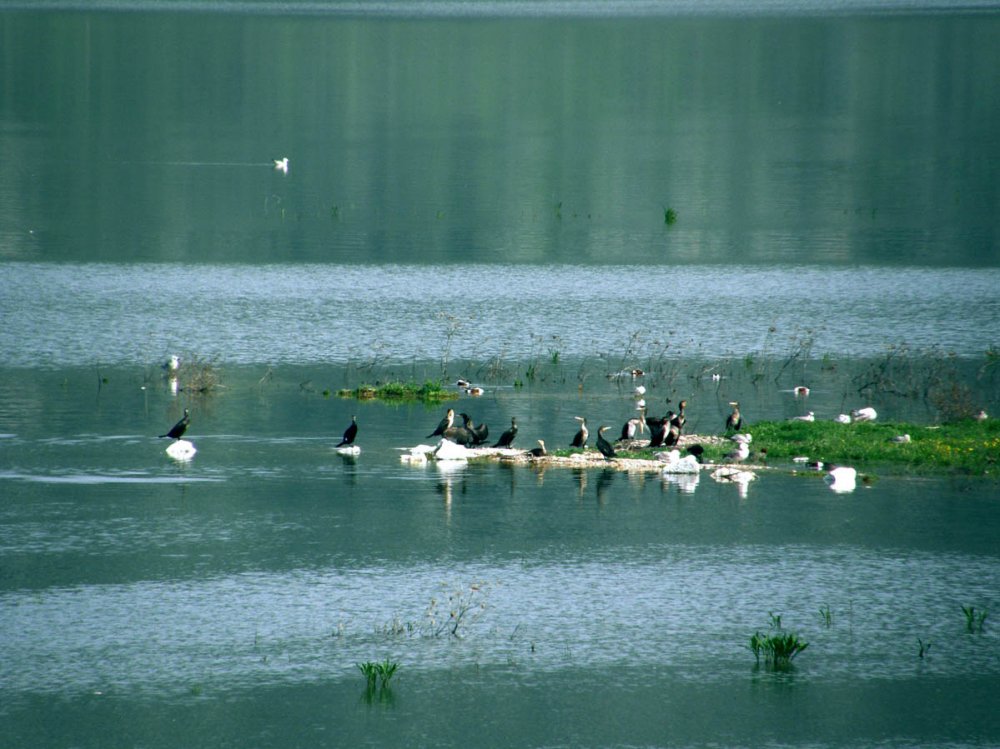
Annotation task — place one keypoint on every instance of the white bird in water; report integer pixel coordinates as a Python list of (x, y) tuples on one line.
[(281, 165), (864, 414), (640, 390), (801, 391), (806, 417)]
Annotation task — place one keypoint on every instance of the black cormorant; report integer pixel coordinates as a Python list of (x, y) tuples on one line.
[(479, 433), (658, 429), (696, 450), (603, 445), (446, 423), (178, 429), (350, 433), (538, 452), (735, 422), (459, 435), (680, 419), (507, 438), (580, 439)]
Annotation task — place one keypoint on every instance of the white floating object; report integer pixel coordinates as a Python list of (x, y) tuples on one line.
[(676, 464), (640, 404), (864, 414), (173, 363), (716, 377), (416, 455), (281, 165), (801, 391), (843, 419), (806, 417), (640, 390), (348, 450), (181, 450), (475, 390), (841, 479), (448, 450), (800, 459)]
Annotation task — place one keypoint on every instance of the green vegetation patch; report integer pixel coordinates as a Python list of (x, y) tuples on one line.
[(966, 446), (428, 392)]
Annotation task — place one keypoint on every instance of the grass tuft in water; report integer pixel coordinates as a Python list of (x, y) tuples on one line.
[(400, 392), (777, 647), (974, 619), (375, 672)]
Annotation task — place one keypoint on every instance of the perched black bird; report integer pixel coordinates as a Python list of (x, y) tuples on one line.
[(580, 438), (178, 429), (658, 429), (603, 445), (479, 433), (459, 435), (673, 434), (735, 422), (538, 452), (507, 438), (679, 419), (350, 433), (445, 423)]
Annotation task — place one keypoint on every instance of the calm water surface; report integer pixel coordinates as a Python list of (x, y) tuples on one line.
[(485, 197)]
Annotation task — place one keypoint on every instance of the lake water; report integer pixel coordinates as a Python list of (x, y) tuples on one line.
[(481, 190)]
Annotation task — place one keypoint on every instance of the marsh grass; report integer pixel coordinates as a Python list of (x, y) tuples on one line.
[(966, 446), (401, 392), (777, 647)]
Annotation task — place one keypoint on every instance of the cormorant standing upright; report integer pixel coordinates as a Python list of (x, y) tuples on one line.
[(580, 439), (658, 432), (350, 433), (178, 429), (446, 423), (507, 438), (603, 445), (735, 422), (680, 419), (633, 427)]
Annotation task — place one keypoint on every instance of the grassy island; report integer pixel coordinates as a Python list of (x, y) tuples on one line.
[(967, 447), (401, 392)]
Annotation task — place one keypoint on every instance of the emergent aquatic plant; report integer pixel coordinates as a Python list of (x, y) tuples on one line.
[(974, 619), (778, 648), (373, 671)]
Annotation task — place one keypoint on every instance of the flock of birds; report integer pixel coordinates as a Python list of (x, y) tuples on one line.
[(665, 432)]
